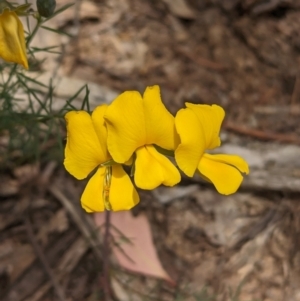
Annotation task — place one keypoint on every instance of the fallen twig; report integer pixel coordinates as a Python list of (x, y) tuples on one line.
[(265, 7), (262, 135), (296, 94), (106, 285), (81, 224), (59, 291), (203, 62), (66, 265)]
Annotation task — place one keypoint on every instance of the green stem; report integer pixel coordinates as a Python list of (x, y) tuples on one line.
[(106, 280), (12, 72), (108, 163), (33, 33), (31, 117), (168, 153)]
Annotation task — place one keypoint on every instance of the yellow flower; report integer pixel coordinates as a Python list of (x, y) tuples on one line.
[(12, 41), (198, 127), (137, 124), (85, 151)]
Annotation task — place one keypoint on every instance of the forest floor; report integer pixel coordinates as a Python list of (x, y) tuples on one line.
[(242, 55)]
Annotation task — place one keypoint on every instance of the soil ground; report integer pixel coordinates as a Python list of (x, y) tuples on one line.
[(242, 55)]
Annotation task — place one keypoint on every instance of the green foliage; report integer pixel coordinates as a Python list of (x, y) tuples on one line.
[(30, 130)]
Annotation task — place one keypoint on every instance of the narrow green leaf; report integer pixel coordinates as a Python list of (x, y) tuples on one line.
[(32, 80), (63, 8), (86, 99), (57, 31), (69, 105), (51, 89), (45, 49)]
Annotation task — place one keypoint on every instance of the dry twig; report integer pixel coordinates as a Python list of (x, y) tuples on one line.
[(106, 285), (262, 135), (59, 291), (66, 265), (203, 62), (296, 93), (81, 224)]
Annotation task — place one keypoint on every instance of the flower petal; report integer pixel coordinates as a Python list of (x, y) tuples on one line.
[(234, 160), (192, 141), (12, 40), (223, 171), (153, 169), (160, 127), (82, 149), (122, 195), (210, 118), (125, 122), (92, 197), (101, 131)]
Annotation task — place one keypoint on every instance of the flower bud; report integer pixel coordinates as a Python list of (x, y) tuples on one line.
[(46, 7)]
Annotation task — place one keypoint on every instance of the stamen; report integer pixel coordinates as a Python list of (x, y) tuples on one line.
[(106, 187)]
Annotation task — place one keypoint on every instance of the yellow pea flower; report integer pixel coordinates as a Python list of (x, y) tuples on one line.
[(198, 127), (86, 150), (135, 124), (12, 40)]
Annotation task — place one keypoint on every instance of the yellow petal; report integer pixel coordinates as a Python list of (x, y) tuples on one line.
[(223, 171), (160, 127), (129, 162), (92, 197), (12, 41), (101, 131), (210, 118), (83, 149), (153, 169), (125, 123), (234, 160), (122, 195), (192, 141)]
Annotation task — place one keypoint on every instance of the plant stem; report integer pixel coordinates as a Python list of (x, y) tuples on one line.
[(106, 287), (12, 72), (168, 153), (37, 26)]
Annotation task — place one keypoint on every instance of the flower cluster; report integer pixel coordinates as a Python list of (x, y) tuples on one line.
[(140, 132)]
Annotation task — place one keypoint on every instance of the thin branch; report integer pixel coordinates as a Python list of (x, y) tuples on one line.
[(39, 253), (262, 135), (81, 223), (106, 257)]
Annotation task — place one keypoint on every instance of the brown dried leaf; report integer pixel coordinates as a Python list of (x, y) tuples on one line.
[(8, 186), (180, 9), (15, 258), (26, 173), (58, 223)]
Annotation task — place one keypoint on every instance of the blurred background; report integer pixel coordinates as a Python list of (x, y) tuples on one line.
[(243, 55)]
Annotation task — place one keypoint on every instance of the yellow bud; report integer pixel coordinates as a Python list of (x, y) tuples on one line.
[(12, 40)]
